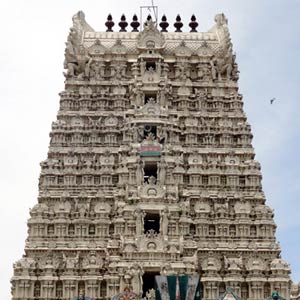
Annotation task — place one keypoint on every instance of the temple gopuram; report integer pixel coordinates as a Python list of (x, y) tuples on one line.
[(150, 188)]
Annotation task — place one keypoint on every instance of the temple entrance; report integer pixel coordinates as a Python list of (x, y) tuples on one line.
[(149, 281)]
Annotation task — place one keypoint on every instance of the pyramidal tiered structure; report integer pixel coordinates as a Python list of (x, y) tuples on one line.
[(150, 171)]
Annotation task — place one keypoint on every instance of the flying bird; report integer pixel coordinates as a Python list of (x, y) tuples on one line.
[(272, 100)]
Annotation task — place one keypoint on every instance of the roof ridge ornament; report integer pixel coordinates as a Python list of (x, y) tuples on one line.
[(222, 32), (151, 10), (150, 25), (80, 24), (150, 37)]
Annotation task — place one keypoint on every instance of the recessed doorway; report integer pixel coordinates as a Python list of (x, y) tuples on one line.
[(149, 281), (151, 222)]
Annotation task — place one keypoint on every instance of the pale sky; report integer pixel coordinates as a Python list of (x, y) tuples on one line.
[(266, 38)]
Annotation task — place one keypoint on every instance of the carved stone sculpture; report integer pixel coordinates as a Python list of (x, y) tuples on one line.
[(150, 170)]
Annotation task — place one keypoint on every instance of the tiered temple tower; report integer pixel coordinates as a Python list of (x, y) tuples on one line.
[(150, 170)]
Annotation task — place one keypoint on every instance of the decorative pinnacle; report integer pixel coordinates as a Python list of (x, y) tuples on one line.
[(193, 24), (164, 24), (178, 24), (123, 24), (135, 23), (109, 23)]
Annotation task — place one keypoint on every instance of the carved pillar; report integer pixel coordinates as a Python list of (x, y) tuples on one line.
[(113, 286), (256, 290), (214, 290), (24, 289), (69, 289), (47, 289), (92, 288)]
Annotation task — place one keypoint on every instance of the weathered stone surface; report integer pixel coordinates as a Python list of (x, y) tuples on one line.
[(150, 169)]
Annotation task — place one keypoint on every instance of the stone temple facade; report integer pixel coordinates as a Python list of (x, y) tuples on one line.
[(150, 171)]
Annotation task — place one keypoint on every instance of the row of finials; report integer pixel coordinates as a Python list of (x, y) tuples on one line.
[(163, 24)]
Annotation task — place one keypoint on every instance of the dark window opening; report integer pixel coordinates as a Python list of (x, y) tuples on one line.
[(50, 229), (103, 288), (242, 180), (60, 179), (59, 289), (150, 97), (151, 222), (267, 290), (150, 172), (223, 180), (71, 229), (245, 291), (115, 179), (222, 288), (97, 179), (149, 281), (205, 180), (253, 230), (149, 130), (150, 65), (81, 288), (201, 290), (232, 230), (212, 230), (78, 180), (111, 229), (186, 179), (192, 229), (37, 289), (92, 229)]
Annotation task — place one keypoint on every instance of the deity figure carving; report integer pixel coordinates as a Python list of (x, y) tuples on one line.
[(162, 98), (96, 69), (204, 72), (139, 215), (91, 260), (224, 67), (71, 262), (165, 70), (118, 71), (135, 96), (80, 24), (158, 67), (25, 263), (137, 272), (150, 76), (150, 294), (140, 172), (77, 63), (151, 137), (161, 171), (162, 135), (81, 208), (220, 20), (184, 208), (164, 221), (181, 71), (152, 180), (120, 208), (138, 98), (82, 62), (142, 67)]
